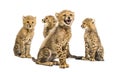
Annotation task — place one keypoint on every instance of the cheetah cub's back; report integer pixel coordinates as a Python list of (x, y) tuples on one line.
[(49, 22)]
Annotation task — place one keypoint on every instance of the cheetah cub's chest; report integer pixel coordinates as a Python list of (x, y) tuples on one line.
[(61, 33), (87, 36), (28, 35)]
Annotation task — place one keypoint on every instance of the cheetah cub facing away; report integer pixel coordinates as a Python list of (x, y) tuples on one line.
[(24, 37), (93, 47), (49, 22), (54, 45)]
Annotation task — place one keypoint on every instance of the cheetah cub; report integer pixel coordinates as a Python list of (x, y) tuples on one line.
[(24, 37), (93, 47), (54, 45), (49, 22)]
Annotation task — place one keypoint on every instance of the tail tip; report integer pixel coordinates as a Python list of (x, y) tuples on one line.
[(79, 57), (33, 59)]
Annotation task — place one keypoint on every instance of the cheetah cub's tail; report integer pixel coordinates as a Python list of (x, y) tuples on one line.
[(33, 59), (77, 57)]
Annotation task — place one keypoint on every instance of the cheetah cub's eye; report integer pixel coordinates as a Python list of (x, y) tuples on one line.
[(64, 15), (54, 21), (92, 22), (27, 21), (71, 15), (32, 22)]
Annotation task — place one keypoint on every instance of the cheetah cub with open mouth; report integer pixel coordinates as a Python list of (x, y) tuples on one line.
[(54, 45)]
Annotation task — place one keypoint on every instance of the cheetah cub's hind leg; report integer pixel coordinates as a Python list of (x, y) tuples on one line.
[(99, 54), (17, 50), (45, 57)]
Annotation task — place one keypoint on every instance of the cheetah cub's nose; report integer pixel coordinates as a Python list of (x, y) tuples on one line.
[(82, 26)]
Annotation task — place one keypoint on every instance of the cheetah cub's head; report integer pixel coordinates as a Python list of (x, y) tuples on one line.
[(49, 21), (65, 18), (29, 22), (88, 24)]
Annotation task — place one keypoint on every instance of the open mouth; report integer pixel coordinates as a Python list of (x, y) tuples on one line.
[(68, 21)]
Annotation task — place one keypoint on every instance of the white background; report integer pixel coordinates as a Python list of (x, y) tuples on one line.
[(107, 18)]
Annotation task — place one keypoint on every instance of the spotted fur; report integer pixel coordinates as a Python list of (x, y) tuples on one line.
[(54, 44), (93, 47), (49, 22)]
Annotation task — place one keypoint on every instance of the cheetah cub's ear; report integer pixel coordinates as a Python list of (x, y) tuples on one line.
[(43, 20), (93, 21), (24, 17), (57, 15), (34, 17)]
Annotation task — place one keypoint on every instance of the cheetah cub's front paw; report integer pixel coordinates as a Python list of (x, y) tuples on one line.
[(50, 63), (84, 58), (92, 59), (64, 66), (22, 56), (28, 56), (56, 63)]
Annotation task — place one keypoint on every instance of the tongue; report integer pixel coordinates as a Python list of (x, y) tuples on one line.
[(67, 21)]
